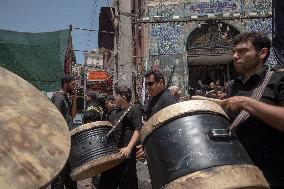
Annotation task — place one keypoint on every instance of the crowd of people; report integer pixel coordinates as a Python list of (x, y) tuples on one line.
[(261, 134), (213, 90)]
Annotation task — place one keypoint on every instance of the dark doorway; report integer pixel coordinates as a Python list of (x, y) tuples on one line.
[(209, 53), (207, 74)]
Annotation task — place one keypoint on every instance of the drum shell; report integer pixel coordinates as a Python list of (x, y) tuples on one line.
[(88, 145), (181, 146)]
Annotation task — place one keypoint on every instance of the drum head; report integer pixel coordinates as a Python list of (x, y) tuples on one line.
[(96, 167), (179, 110), (34, 137)]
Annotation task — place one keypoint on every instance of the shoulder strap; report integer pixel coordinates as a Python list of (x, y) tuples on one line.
[(257, 93), (118, 122)]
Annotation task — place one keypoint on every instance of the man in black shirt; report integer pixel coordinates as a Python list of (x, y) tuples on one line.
[(161, 97), (68, 109), (262, 134), (124, 175)]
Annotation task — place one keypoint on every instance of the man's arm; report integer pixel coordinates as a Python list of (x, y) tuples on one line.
[(74, 105), (126, 151), (270, 114), (137, 123)]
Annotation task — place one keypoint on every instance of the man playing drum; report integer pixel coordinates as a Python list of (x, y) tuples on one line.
[(160, 98), (124, 175), (262, 134)]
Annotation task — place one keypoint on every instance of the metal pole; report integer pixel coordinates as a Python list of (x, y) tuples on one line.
[(85, 82)]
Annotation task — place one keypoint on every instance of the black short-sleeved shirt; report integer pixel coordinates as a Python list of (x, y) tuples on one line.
[(131, 122), (263, 143), (160, 101), (63, 104)]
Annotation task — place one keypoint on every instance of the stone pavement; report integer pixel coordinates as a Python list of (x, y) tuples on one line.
[(144, 181)]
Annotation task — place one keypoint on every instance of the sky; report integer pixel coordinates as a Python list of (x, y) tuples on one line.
[(52, 15)]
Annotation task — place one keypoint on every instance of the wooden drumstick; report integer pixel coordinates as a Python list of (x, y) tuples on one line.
[(217, 101)]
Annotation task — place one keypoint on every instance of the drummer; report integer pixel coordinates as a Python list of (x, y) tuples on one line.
[(161, 97), (124, 175), (67, 107), (262, 134)]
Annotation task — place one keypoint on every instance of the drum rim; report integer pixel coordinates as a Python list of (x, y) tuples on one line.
[(247, 175), (180, 109), (88, 126), (80, 172)]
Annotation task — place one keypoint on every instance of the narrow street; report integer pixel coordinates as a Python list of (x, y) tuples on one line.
[(144, 181)]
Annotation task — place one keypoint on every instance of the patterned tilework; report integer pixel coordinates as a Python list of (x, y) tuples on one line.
[(169, 38), (166, 38), (166, 11), (262, 7)]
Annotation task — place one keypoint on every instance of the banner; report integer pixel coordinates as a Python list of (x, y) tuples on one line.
[(97, 75)]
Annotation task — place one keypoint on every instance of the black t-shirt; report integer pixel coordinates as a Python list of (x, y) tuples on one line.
[(63, 104), (160, 101), (263, 143), (131, 122)]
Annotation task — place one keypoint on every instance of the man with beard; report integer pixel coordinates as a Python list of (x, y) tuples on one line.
[(262, 133), (66, 102)]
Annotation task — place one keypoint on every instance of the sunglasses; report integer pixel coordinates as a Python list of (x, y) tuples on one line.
[(151, 83)]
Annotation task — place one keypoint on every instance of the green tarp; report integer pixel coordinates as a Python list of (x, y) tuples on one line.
[(36, 57)]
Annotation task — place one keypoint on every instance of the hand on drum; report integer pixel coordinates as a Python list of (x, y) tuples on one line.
[(140, 152), (237, 103), (125, 152)]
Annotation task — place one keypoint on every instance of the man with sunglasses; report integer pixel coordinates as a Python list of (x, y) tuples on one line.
[(161, 97)]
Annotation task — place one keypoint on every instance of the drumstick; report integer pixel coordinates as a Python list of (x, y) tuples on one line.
[(218, 101)]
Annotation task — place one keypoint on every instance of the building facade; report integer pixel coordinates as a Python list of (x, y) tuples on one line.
[(94, 59), (194, 36)]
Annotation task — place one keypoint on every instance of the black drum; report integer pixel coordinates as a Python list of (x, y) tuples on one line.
[(187, 145), (90, 154)]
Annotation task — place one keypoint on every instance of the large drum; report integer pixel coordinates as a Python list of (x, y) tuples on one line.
[(90, 154), (34, 137), (187, 146)]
